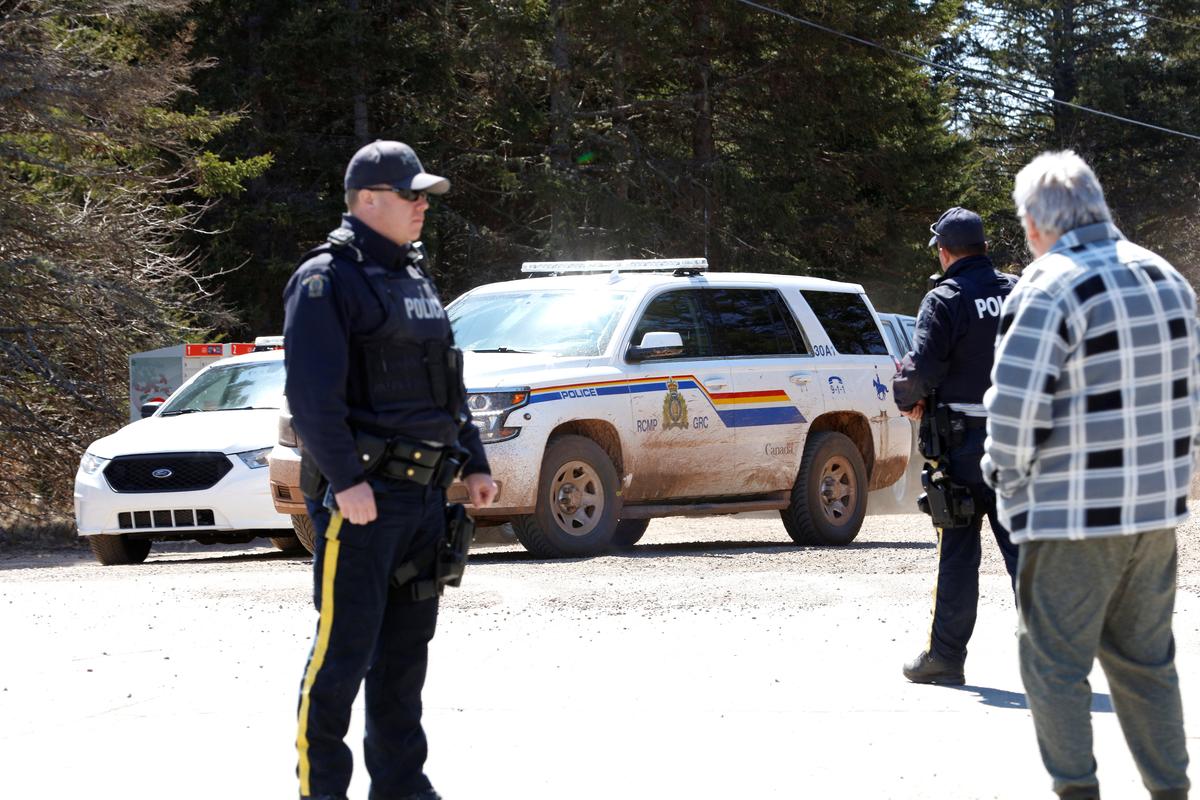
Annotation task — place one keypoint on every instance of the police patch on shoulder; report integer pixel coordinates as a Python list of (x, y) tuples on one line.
[(315, 285)]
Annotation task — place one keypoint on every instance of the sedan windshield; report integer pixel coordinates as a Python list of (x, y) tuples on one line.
[(229, 388), (561, 323)]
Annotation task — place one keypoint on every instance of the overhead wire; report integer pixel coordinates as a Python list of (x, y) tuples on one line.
[(1148, 15), (967, 73)]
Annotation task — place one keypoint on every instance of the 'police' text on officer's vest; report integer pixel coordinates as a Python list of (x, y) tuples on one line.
[(988, 305)]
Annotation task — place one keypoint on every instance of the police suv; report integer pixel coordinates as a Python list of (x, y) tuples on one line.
[(609, 393)]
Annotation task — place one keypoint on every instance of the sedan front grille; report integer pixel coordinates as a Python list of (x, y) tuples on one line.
[(166, 472), (177, 518)]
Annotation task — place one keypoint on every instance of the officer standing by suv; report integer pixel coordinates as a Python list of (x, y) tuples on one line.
[(951, 359), (375, 388)]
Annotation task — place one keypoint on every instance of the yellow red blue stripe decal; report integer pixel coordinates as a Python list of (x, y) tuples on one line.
[(321, 646), (735, 409)]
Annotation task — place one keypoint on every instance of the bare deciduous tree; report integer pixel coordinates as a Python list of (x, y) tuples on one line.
[(98, 180)]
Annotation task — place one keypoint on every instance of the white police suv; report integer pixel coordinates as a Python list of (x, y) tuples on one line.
[(194, 469), (609, 393)]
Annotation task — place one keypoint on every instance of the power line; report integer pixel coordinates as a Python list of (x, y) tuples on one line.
[(1148, 15), (962, 73)]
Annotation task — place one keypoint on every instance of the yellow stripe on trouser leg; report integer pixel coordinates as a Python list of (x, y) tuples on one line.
[(933, 611), (324, 626)]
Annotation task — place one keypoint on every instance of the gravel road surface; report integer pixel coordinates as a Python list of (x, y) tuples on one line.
[(714, 660)]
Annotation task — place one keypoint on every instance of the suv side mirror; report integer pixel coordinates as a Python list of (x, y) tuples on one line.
[(149, 408), (656, 344)]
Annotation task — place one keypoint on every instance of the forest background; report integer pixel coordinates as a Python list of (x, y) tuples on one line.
[(163, 163)]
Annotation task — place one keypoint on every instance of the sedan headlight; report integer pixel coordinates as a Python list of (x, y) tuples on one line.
[(89, 464), (255, 459), (489, 412)]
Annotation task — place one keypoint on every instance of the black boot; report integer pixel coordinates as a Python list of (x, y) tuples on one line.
[(931, 668)]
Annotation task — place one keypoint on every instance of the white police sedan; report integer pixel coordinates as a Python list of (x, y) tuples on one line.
[(194, 469)]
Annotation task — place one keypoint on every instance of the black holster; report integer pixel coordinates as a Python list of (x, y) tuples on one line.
[(452, 556), (448, 556), (949, 504), (312, 482)]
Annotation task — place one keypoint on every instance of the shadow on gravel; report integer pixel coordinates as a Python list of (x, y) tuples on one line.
[(519, 557), (702, 549), (47, 559), (215, 557), (1001, 698), (697, 549), (14, 558)]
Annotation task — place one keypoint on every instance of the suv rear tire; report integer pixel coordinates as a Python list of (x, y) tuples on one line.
[(629, 532), (305, 533), (829, 498), (118, 549), (577, 504)]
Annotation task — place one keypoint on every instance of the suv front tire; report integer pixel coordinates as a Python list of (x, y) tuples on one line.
[(577, 503), (829, 498), (306, 534)]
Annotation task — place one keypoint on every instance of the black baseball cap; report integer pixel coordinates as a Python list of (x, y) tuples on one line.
[(956, 228), (391, 164)]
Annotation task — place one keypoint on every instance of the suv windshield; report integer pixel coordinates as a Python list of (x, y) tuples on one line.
[(237, 386), (562, 323)]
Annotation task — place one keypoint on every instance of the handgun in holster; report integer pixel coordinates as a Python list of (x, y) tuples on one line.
[(949, 504), (312, 482), (448, 555), (442, 564), (455, 547)]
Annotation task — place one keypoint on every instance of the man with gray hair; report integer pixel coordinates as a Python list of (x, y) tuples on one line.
[(1092, 422)]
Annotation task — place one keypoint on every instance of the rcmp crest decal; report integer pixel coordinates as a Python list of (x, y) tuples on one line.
[(315, 285), (674, 407)]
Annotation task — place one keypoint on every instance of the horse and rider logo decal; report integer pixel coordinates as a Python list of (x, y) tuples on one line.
[(881, 391)]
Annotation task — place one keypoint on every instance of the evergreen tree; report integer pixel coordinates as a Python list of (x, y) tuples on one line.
[(99, 179), (591, 129)]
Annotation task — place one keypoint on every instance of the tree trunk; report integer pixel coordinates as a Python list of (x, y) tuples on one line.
[(1063, 77), (621, 159), (703, 148), (560, 122), (362, 133), (560, 88)]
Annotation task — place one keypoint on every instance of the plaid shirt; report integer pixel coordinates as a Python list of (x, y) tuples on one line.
[(1095, 401)]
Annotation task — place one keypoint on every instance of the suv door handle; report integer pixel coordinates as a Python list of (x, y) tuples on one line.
[(715, 383), (801, 378)]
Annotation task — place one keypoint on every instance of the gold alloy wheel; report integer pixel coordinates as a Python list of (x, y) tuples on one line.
[(838, 491), (578, 498)]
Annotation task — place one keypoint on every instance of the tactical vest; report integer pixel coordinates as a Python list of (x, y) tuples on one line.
[(979, 293), (409, 360)]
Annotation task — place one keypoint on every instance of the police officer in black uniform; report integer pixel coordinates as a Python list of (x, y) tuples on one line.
[(952, 357), (376, 394)]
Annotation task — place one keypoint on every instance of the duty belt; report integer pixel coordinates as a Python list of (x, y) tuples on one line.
[(406, 460)]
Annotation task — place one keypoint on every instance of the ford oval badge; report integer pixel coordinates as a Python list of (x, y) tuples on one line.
[(162, 472)]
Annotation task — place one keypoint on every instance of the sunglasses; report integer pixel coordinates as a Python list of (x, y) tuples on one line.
[(410, 195)]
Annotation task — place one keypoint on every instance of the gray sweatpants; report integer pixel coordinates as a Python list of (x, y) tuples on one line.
[(1110, 598)]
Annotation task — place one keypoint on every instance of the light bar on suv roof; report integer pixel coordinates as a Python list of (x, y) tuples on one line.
[(622, 265), (262, 343)]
